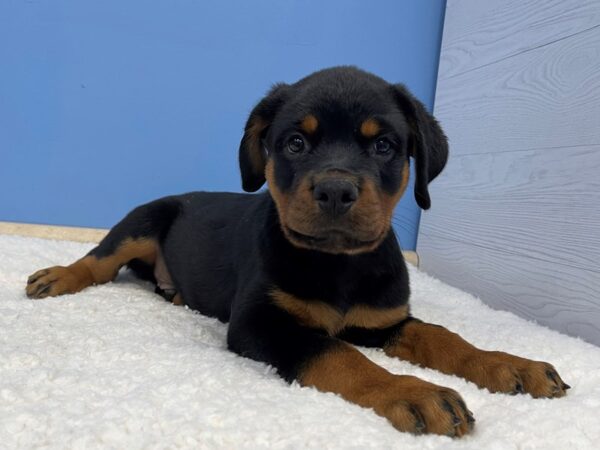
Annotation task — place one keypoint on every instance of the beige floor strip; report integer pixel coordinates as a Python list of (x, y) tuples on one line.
[(411, 257), (80, 234)]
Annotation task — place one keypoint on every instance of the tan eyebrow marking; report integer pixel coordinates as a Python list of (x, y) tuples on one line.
[(309, 124), (370, 128)]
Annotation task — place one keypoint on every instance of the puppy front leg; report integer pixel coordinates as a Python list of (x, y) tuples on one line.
[(266, 333), (435, 347)]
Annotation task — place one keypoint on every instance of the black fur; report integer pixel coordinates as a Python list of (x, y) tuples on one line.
[(253, 179), (226, 252), (313, 262), (429, 145)]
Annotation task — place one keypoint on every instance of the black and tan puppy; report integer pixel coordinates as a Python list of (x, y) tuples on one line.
[(311, 266)]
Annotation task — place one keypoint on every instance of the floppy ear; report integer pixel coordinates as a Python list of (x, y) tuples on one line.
[(428, 146), (252, 154)]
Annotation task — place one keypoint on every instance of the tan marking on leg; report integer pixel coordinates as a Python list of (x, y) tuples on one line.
[(436, 347), (409, 403), (105, 269), (89, 270)]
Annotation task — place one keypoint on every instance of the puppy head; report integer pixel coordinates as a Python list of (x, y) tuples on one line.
[(334, 148)]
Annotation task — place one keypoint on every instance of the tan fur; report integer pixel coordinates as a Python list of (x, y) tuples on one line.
[(89, 269), (318, 314), (378, 207), (281, 200), (389, 202), (309, 124), (436, 347), (257, 156), (403, 400), (370, 128), (369, 219), (177, 300)]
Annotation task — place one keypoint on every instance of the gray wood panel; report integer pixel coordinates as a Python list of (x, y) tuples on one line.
[(516, 214), (522, 199), (544, 98), (519, 246), (551, 294), (478, 33)]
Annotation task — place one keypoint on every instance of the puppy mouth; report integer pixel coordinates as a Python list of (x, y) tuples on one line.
[(332, 241)]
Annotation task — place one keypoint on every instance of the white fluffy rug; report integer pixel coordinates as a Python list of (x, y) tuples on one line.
[(116, 366)]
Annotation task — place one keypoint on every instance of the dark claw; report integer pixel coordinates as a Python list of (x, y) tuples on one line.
[(565, 386), (419, 422), (470, 422), (558, 392), (43, 289), (33, 278), (466, 410), (448, 407), (420, 426), (550, 374), (518, 389)]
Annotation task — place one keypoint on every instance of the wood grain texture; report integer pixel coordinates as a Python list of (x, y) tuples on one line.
[(545, 98), (541, 202), (479, 33), (549, 293), (516, 214)]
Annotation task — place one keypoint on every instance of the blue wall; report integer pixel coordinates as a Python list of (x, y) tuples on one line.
[(105, 105)]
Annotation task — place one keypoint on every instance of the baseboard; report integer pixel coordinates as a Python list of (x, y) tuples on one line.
[(78, 234), (81, 234), (411, 257)]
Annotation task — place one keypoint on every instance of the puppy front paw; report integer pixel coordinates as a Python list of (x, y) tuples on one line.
[(418, 407), (503, 372)]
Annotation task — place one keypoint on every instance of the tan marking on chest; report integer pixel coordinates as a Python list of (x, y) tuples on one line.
[(318, 314)]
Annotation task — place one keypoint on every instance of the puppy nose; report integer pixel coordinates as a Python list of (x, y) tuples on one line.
[(335, 197)]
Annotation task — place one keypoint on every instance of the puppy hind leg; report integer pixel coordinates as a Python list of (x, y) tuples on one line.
[(136, 237)]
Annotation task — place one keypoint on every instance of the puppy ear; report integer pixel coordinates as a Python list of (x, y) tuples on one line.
[(252, 154), (428, 146)]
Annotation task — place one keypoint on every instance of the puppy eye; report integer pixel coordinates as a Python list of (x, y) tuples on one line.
[(382, 146), (295, 144)]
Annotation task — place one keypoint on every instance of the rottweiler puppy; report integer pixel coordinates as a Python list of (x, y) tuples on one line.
[(310, 266)]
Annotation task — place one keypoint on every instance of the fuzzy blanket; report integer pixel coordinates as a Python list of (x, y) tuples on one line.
[(116, 366)]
